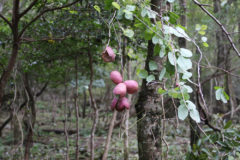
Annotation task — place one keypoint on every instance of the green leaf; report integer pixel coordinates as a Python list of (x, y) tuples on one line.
[(226, 95), (203, 27), (194, 114), (143, 74), (157, 49), (116, 5), (174, 94), (144, 12), (218, 93), (182, 112), (170, 68), (156, 40), (128, 32), (161, 91), (224, 100), (150, 78), (173, 17), (186, 75), (202, 32), (130, 7), (170, 1), (97, 8), (128, 14), (163, 71), (204, 39), (148, 35), (190, 105), (162, 52), (151, 14), (171, 58), (205, 44), (153, 65), (217, 87), (228, 124), (188, 88), (184, 63), (197, 27), (185, 52)]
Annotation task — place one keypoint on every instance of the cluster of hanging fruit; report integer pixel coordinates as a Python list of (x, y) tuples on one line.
[(120, 102)]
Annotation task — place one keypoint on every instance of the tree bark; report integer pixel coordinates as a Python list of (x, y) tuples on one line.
[(149, 110), (29, 118), (15, 46)]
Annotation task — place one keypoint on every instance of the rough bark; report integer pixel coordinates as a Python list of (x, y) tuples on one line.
[(149, 111), (29, 117)]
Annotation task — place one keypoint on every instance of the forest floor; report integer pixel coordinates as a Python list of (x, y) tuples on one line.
[(50, 141)]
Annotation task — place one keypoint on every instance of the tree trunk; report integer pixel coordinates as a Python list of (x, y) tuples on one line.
[(149, 112), (76, 109), (29, 118), (15, 46), (84, 103)]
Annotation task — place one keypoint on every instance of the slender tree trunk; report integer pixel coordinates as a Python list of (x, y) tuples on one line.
[(149, 112), (93, 104), (84, 103), (15, 46), (29, 118), (76, 108), (65, 121)]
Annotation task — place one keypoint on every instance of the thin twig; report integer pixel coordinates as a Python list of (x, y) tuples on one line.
[(220, 24)]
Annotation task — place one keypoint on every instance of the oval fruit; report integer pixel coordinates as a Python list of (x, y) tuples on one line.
[(116, 77), (120, 90), (108, 55), (124, 103), (132, 86), (114, 103)]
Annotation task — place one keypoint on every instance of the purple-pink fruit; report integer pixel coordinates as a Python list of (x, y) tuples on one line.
[(114, 103), (124, 103), (120, 90), (116, 77), (132, 86), (108, 55)]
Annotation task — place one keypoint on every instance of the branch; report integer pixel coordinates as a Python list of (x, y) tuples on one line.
[(43, 88), (5, 19), (28, 8), (220, 24), (43, 12)]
